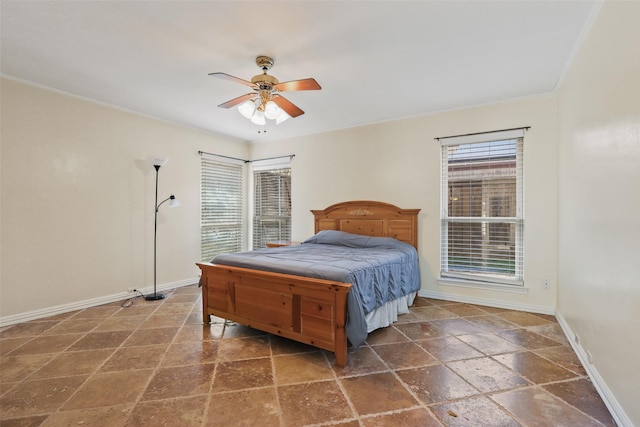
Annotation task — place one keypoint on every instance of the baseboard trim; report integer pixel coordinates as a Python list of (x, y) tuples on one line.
[(488, 302), (79, 305), (617, 412)]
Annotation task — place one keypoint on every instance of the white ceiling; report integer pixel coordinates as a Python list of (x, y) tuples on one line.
[(375, 60)]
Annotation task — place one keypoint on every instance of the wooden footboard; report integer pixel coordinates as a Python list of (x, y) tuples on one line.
[(308, 310)]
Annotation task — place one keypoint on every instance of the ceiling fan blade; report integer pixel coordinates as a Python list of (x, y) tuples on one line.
[(233, 79), (289, 107), (304, 84), (237, 101)]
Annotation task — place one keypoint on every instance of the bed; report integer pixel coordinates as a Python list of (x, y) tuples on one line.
[(289, 291)]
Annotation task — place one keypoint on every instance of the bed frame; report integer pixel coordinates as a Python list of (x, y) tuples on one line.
[(308, 310)]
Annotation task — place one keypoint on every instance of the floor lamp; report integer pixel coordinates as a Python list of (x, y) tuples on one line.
[(173, 202)]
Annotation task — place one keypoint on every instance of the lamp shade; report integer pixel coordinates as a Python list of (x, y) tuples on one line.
[(174, 203), (258, 118), (282, 116), (158, 160), (247, 108), (271, 110)]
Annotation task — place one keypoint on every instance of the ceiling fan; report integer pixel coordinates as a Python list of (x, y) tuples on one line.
[(265, 102)]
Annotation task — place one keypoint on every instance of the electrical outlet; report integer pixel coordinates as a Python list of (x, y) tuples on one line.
[(546, 284), (131, 290), (576, 338), (589, 357)]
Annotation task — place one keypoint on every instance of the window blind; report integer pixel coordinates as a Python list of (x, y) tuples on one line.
[(482, 218), (222, 207), (272, 203)]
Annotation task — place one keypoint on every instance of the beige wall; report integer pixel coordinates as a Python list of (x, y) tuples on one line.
[(77, 196), (399, 162), (78, 199), (599, 209)]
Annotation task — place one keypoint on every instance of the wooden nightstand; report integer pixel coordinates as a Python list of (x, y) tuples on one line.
[(279, 243)]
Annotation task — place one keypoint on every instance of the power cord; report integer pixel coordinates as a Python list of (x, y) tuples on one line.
[(129, 301)]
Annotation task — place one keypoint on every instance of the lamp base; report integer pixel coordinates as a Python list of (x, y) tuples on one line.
[(153, 297)]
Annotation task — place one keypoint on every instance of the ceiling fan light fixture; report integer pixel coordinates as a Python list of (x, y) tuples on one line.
[(247, 109), (282, 116), (258, 118), (271, 110)]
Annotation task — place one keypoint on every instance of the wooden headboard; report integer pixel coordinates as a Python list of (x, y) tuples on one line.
[(370, 219)]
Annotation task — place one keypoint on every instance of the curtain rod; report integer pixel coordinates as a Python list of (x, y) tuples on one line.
[(481, 133), (246, 161)]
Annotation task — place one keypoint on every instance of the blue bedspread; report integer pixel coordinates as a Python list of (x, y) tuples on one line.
[(381, 269)]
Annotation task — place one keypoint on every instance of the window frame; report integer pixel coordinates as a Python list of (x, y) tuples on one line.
[(482, 275), (212, 216), (259, 167)]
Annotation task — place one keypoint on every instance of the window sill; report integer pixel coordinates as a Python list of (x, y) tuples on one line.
[(460, 283)]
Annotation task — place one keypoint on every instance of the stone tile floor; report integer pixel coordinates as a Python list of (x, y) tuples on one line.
[(155, 363)]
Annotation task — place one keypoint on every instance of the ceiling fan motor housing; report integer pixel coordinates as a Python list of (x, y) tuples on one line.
[(264, 62), (264, 80)]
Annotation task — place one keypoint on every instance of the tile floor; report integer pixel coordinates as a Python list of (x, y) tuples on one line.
[(156, 364)]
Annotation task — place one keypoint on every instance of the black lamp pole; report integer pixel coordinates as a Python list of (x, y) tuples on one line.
[(156, 296)]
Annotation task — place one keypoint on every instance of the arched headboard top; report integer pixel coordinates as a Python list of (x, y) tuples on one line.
[(370, 218)]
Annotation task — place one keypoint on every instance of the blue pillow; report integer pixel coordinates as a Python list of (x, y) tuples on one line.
[(341, 238)]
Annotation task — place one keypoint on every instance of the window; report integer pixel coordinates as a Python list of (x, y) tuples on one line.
[(271, 202), (482, 219), (222, 224)]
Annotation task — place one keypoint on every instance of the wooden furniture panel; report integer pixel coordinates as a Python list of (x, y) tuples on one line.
[(273, 307), (308, 310), (312, 311), (365, 227), (327, 224)]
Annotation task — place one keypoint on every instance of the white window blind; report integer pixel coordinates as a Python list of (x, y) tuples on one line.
[(222, 207), (272, 202), (482, 218)]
